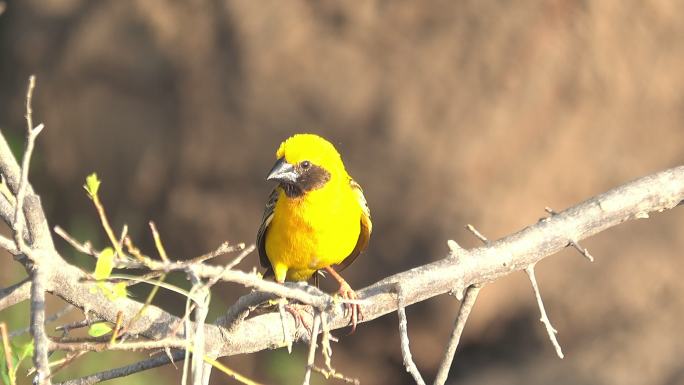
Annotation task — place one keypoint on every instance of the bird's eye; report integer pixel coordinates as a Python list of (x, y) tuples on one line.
[(306, 164)]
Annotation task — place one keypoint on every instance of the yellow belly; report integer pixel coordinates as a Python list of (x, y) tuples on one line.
[(309, 233)]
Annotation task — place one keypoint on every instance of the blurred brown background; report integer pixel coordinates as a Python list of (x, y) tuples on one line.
[(447, 112)]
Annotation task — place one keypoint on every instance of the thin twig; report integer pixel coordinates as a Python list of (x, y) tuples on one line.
[(105, 224), (64, 362), (187, 325), (185, 320), (336, 375), (312, 347), (171, 342), (31, 135), (8, 353), (201, 292), (59, 314), (155, 288), (463, 313), (544, 318), (16, 293), (405, 347), (124, 234), (66, 328), (582, 251), (134, 251), (240, 256), (467, 304), (117, 328), (85, 248), (287, 338), (477, 234), (9, 245), (231, 373), (158, 243), (326, 351), (127, 370), (224, 248), (148, 301)]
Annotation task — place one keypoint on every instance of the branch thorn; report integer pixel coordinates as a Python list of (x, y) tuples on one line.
[(572, 242), (477, 234)]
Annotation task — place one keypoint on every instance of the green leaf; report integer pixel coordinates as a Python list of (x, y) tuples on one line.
[(105, 264), (92, 185), (103, 270), (4, 373), (22, 349), (99, 329)]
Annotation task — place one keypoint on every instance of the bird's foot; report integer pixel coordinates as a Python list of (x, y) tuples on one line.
[(345, 291), (353, 310), (301, 313)]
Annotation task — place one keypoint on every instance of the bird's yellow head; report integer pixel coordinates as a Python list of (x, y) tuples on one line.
[(306, 162)]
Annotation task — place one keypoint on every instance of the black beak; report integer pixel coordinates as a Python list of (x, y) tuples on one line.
[(283, 172)]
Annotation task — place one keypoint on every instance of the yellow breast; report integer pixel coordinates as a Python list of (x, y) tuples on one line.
[(313, 231)]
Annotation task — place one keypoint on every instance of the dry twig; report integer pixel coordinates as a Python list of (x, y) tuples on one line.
[(405, 345), (16, 293), (467, 304), (544, 318), (463, 313), (38, 271), (8, 353), (312, 348)]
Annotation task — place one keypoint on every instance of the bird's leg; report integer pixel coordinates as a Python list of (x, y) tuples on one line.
[(345, 291)]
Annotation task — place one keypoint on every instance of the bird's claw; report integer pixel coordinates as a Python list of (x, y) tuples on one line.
[(352, 310), (296, 311)]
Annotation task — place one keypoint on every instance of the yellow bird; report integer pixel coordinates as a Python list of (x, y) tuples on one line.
[(316, 217)]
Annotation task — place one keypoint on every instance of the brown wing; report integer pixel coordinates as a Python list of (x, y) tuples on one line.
[(261, 234), (366, 227)]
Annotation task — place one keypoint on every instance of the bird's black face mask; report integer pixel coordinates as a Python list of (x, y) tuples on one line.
[(296, 180)]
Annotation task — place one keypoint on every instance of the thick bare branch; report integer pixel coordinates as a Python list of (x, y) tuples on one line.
[(656, 192), (40, 356)]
